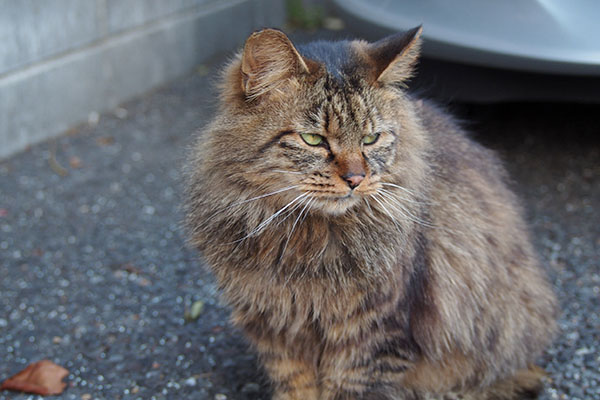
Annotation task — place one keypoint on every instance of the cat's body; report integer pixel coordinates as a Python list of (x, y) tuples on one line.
[(368, 249)]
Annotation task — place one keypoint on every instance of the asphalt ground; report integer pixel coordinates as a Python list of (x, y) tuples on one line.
[(95, 274)]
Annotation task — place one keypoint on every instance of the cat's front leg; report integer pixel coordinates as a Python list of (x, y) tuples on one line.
[(292, 377), (347, 389), (343, 375), (373, 369)]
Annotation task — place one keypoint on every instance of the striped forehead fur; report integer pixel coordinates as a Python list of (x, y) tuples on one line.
[(337, 57)]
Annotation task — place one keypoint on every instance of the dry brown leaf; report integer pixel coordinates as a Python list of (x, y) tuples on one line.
[(43, 378), (105, 140), (56, 167)]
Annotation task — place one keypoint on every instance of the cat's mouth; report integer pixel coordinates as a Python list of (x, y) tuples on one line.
[(341, 198), (336, 199), (337, 204)]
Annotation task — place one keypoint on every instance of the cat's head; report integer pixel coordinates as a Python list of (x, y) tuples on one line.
[(330, 120)]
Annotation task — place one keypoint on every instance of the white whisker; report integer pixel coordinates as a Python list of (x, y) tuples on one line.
[(261, 196), (408, 200), (309, 204), (294, 227), (387, 212), (368, 205), (266, 222), (400, 187), (288, 172), (214, 215), (396, 205), (291, 210)]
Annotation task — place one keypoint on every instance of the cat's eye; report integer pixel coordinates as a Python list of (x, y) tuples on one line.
[(370, 139), (312, 139)]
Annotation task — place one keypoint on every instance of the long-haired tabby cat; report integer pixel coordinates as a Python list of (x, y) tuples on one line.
[(368, 248)]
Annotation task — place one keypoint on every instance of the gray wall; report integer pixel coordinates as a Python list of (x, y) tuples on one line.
[(62, 59)]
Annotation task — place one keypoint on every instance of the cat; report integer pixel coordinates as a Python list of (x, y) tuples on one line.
[(367, 247)]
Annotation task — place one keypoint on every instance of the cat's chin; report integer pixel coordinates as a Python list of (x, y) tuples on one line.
[(335, 206)]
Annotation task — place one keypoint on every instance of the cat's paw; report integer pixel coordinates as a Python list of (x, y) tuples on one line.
[(309, 393)]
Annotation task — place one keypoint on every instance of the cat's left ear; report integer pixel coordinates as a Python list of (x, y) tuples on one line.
[(268, 61), (394, 57)]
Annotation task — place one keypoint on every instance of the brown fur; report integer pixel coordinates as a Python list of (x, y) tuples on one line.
[(421, 283)]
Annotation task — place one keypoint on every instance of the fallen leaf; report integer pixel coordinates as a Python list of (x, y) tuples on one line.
[(193, 313), (105, 140), (43, 378), (3, 212), (73, 131), (144, 282), (56, 167), (130, 268)]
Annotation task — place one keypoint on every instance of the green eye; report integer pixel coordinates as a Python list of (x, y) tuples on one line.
[(370, 139), (311, 139)]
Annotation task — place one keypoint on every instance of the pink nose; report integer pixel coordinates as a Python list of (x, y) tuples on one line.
[(353, 180)]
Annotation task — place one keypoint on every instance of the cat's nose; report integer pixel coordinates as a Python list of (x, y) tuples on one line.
[(353, 180)]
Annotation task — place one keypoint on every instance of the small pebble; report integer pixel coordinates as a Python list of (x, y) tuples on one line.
[(190, 381), (93, 118)]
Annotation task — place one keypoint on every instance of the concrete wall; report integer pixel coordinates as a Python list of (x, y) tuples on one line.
[(62, 59)]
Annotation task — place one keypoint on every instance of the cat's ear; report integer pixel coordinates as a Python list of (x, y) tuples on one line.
[(394, 57), (268, 60)]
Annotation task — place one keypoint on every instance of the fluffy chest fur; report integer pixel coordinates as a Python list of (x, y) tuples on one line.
[(308, 268)]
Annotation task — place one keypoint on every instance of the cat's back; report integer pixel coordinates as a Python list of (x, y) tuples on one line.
[(452, 151), (479, 246)]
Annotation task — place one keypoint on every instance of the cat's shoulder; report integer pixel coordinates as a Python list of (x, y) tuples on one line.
[(436, 119), (451, 146)]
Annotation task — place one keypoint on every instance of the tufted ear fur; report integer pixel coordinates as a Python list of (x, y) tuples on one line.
[(395, 56), (269, 59)]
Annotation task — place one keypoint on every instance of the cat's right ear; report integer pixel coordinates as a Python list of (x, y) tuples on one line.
[(394, 57), (268, 61)]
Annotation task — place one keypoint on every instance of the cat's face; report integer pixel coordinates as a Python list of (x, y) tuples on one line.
[(322, 129), (336, 149)]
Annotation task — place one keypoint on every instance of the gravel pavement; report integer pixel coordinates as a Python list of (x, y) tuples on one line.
[(95, 275)]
